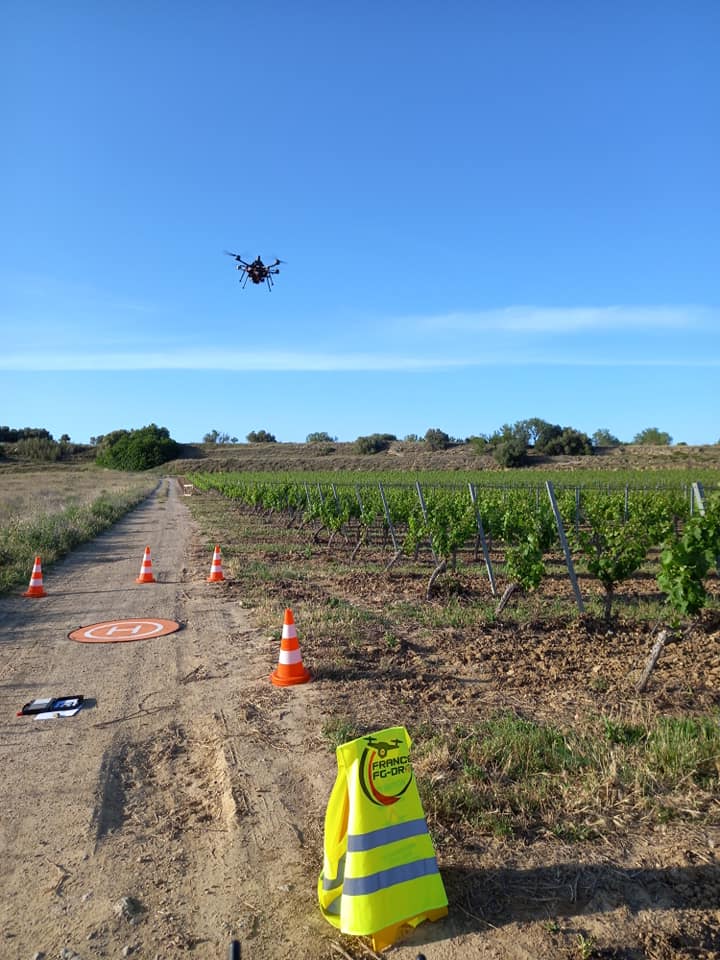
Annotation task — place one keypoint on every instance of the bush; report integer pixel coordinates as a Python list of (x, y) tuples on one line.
[(481, 444), (320, 436), (260, 436), (571, 442), (215, 436), (38, 448), (375, 443), (603, 438), (652, 435), (510, 453), (437, 439), (137, 449)]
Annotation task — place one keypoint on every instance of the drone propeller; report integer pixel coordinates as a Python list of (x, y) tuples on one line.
[(235, 256)]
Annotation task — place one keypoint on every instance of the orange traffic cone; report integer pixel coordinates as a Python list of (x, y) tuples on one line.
[(146, 574), (216, 570), (36, 588), (290, 667)]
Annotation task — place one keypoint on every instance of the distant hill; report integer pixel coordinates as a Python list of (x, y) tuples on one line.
[(404, 455), (413, 457)]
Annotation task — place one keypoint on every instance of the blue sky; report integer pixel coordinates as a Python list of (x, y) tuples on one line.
[(489, 211)]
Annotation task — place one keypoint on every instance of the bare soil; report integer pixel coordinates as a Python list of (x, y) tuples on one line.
[(184, 807)]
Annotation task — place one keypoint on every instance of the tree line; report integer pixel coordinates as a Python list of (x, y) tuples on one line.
[(152, 445), (509, 445)]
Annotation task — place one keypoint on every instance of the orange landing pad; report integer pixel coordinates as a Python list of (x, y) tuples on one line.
[(123, 631)]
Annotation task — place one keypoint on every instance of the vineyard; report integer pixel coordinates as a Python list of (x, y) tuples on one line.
[(550, 643), (514, 536)]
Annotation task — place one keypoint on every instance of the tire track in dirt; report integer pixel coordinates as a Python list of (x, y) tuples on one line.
[(184, 789)]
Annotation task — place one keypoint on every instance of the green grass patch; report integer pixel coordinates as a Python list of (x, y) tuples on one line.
[(510, 775)]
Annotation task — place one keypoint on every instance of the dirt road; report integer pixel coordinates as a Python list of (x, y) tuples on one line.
[(184, 806), (177, 811)]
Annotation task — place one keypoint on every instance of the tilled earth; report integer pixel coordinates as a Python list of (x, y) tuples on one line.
[(639, 889)]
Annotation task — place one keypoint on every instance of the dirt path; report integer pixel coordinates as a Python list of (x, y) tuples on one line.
[(185, 806), (185, 787)]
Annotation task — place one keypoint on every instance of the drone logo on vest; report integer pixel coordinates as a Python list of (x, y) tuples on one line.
[(384, 778)]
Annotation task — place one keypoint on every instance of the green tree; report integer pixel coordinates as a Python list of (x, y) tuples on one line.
[(11, 435), (532, 429), (652, 435), (140, 449), (320, 436), (603, 438), (547, 434)]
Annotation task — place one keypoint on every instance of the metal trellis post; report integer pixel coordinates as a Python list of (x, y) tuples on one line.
[(483, 541), (565, 546)]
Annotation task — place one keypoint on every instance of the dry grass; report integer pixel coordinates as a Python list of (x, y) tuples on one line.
[(34, 491)]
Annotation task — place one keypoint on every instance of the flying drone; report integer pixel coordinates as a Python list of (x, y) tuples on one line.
[(257, 271)]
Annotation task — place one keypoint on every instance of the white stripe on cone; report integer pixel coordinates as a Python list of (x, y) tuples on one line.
[(290, 656)]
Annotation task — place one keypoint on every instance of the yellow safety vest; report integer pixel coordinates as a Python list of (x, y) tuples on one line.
[(379, 867)]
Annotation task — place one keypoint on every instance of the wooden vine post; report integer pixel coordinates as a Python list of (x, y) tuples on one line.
[(664, 637)]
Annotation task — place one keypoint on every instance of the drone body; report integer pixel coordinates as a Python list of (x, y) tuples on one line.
[(257, 271)]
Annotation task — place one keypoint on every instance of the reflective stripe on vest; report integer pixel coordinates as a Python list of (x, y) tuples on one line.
[(376, 838)]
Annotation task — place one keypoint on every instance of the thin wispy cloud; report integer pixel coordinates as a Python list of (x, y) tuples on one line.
[(662, 336), (564, 320), (49, 296), (298, 362), (261, 361)]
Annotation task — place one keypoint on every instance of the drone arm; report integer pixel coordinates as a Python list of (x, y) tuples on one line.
[(235, 256)]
